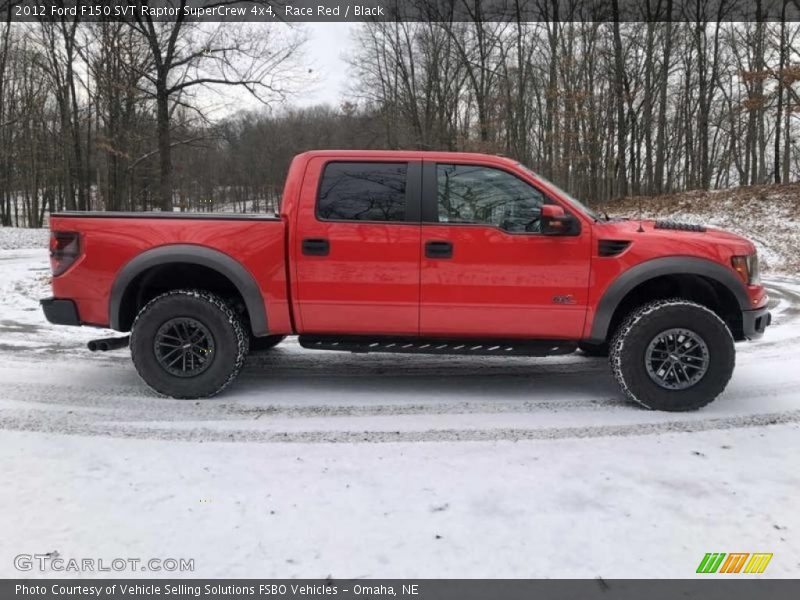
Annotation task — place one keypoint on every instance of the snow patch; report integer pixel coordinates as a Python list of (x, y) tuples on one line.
[(15, 238)]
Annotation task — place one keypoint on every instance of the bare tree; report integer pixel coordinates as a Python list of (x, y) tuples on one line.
[(59, 44), (116, 59), (186, 56)]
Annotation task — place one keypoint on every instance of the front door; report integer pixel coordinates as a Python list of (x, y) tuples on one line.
[(358, 248), (487, 271)]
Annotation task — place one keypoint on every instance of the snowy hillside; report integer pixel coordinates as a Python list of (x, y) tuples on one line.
[(768, 215)]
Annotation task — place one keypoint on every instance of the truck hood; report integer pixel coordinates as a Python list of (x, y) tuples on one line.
[(680, 234)]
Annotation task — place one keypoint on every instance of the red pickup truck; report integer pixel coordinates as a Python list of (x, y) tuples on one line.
[(414, 252)]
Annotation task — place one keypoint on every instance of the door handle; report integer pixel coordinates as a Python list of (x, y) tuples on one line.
[(316, 247), (438, 249)]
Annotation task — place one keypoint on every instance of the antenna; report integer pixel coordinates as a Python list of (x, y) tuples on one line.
[(641, 229)]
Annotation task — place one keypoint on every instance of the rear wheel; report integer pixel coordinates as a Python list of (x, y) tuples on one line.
[(673, 355), (188, 344)]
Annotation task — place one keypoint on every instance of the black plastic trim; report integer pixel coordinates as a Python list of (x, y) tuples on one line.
[(195, 255), (60, 312), (316, 247), (673, 265), (435, 345), (755, 322), (438, 249), (609, 248), (414, 191), (676, 226)]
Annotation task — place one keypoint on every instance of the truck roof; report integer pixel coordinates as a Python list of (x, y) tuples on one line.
[(405, 154)]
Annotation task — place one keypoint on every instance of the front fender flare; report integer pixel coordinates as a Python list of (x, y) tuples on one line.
[(658, 267), (194, 255)]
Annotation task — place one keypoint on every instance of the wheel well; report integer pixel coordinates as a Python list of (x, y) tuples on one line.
[(163, 278), (703, 290)]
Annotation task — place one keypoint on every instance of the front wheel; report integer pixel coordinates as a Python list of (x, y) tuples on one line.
[(673, 355), (188, 344)]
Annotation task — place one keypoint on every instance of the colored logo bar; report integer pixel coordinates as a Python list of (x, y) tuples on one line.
[(734, 562)]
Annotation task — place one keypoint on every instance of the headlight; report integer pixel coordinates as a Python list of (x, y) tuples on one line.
[(747, 268)]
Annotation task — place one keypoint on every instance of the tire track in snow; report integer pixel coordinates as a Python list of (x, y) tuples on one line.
[(44, 424), (125, 403)]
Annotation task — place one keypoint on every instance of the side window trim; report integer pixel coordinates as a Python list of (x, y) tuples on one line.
[(413, 192), (413, 196), (430, 192), (430, 200)]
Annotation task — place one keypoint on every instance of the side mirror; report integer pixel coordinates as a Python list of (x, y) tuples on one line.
[(555, 221)]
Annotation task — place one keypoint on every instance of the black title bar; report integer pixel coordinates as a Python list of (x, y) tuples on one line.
[(401, 10), (710, 588)]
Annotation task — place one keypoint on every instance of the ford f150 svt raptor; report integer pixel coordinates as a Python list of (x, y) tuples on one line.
[(424, 252)]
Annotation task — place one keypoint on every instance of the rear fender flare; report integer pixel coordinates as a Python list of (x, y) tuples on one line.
[(194, 255)]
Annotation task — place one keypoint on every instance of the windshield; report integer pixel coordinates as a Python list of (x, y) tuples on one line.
[(567, 195)]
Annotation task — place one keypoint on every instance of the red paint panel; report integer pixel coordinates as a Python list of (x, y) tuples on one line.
[(368, 283), (501, 284), (109, 243)]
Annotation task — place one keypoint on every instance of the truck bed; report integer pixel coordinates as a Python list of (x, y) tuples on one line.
[(111, 240)]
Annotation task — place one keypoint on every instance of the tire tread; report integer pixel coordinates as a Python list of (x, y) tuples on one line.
[(242, 336), (623, 335)]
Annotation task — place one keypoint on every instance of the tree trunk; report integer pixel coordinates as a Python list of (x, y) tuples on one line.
[(619, 89), (647, 118), (662, 107), (164, 148), (779, 112)]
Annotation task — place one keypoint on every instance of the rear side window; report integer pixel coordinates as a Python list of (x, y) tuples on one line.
[(363, 191)]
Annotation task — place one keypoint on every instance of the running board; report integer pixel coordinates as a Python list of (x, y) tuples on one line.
[(412, 345)]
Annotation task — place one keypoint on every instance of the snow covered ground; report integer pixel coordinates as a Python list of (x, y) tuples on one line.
[(322, 464)]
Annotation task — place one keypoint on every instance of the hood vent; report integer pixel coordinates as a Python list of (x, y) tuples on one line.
[(675, 226), (612, 247)]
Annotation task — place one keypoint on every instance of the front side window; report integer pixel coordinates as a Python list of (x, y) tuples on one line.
[(487, 196), (364, 191), (563, 192)]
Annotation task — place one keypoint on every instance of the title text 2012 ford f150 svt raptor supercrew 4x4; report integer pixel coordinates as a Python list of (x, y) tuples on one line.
[(423, 252)]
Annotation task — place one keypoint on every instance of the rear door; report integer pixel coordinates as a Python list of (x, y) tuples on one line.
[(357, 253), (487, 271)]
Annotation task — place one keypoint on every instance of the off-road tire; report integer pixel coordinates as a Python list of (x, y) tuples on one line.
[(230, 343), (600, 350), (262, 344), (629, 347)]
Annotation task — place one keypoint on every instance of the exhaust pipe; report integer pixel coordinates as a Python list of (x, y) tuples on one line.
[(106, 344)]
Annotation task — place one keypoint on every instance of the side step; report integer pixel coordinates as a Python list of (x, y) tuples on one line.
[(416, 345)]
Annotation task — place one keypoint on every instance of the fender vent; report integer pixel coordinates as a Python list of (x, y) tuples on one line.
[(612, 247), (675, 226)]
